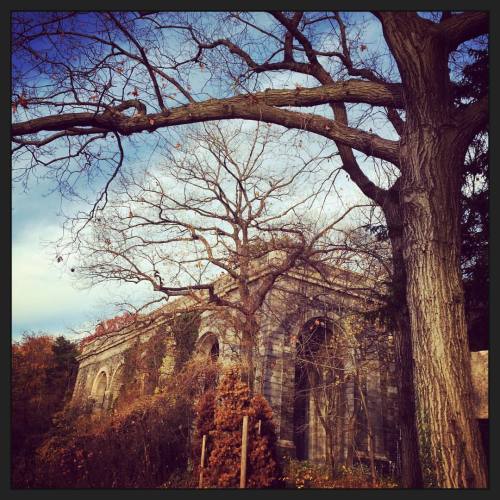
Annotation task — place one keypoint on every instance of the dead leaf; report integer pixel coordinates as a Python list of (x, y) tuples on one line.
[(23, 102)]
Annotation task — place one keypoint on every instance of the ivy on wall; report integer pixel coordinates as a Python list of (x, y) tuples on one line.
[(147, 364)]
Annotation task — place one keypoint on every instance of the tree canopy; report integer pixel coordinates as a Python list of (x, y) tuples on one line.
[(391, 90)]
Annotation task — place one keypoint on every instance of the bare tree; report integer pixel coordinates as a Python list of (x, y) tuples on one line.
[(99, 69), (223, 200)]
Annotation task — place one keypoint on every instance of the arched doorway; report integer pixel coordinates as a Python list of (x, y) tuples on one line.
[(320, 399)]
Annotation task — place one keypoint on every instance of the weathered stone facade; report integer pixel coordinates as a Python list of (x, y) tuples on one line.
[(299, 303)]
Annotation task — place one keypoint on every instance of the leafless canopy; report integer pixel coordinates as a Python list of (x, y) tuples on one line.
[(84, 81), (223, 200)]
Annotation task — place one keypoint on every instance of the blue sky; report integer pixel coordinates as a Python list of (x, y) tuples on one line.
[(45, 296)]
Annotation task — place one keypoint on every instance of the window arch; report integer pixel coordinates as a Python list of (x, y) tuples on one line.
[(208, 346), (208, 349), (214, 351), (99, 388), (319, 386)]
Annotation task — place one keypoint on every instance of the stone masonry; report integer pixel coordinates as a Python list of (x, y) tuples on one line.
[(299, 302)]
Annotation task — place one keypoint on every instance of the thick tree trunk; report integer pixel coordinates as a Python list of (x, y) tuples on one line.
[(432, 150), (448, 432), (248, 339), (411, 471)]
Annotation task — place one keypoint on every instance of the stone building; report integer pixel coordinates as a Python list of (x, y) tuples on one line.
[(318, 372)]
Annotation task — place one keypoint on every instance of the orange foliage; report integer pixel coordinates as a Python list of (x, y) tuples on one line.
[(140, 447), (42, 379), (204, 424), (232, 403), (143, 443)]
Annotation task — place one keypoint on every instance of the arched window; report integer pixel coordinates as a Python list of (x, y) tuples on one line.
[(319, 389), (214, 351), (209, 350), (208, 346), (100, 386)]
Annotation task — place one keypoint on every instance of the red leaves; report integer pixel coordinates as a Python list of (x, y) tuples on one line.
[(23, 101), (110, 326)]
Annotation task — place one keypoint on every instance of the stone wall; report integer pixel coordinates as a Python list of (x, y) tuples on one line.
[(296, 300)]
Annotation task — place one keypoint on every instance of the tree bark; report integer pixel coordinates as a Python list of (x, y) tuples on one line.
[(432, 151), (248, 340), (449, 435), (411, 472)]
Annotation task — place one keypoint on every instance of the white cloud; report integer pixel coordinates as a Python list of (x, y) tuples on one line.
[(43, 293), (38, 288)]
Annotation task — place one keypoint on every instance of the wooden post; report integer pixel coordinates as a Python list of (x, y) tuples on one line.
[(202, 461), (244, 443)]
